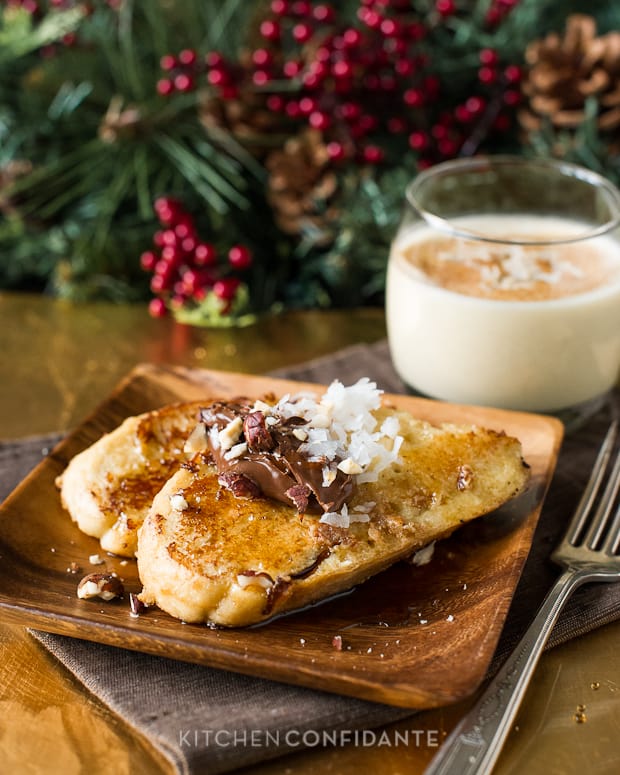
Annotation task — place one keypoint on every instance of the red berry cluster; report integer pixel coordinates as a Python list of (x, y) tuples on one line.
[(445, 8), (504, 83), (498, 10), (180, 72), (354, 83), (360, 84), (371, 88), (185, 269)]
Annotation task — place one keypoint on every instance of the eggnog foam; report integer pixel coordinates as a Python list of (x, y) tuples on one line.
[(531, 327), (513, 270)]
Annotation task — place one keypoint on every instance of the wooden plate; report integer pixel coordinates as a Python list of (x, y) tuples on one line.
[(416, 637)]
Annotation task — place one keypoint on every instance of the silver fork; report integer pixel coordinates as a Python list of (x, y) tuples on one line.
[(588, 552)]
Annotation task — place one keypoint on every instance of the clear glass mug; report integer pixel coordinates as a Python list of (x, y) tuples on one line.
[(503, 285)]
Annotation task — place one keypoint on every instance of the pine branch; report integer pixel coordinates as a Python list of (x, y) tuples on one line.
[(102, 144), (207, 179), (19, 37)]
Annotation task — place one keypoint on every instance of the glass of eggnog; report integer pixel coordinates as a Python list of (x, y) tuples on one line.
[(503, 285)]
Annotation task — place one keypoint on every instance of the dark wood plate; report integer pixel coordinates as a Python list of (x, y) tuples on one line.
[(417, 637)]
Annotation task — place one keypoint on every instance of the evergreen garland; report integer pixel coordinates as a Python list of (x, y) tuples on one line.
[(202, 154)]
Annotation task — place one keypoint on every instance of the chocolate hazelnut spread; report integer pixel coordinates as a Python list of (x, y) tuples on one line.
[(258, 455)]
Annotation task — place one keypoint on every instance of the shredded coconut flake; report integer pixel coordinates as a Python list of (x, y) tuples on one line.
[(390, 427), (329, 474), (178, 502), (337, 518), (365, 507), (339, 426), (424, 556)]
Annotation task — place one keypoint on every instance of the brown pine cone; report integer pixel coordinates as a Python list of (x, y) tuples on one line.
[(565, 70), (120, 122), (302, 187), (9, 173), (247, 119)]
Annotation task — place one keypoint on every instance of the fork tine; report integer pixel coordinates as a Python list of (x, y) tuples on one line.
[(589, 494), (612, 543), (597, 527)]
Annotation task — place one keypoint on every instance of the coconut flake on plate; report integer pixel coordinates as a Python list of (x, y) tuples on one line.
[(423, 556)]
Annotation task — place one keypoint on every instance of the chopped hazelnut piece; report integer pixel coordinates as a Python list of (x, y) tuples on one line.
[(229, 435), (240, 485), (258, 437), (196, 441), (337, 642), (103, 585), (350, 466), (136, 605)]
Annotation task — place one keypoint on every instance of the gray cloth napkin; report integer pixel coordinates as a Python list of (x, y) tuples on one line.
[(211, 721)]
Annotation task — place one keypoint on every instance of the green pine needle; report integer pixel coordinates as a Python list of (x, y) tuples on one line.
[(19, 37), (102, 144)]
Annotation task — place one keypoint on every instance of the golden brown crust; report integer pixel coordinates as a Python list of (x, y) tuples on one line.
[(233, 562), (109, 487)]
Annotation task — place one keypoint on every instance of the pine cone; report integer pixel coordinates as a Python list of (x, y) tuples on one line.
[(119, 122), (564, 71), (9, 173), (247, 119), (302, 187)]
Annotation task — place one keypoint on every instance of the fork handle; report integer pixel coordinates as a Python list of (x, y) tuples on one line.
[(475, 744)]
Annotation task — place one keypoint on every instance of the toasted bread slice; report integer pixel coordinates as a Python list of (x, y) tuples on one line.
[(109, 487), (206, 556)]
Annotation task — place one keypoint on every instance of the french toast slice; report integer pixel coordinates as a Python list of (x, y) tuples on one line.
[(205, 555), (109, 487)]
